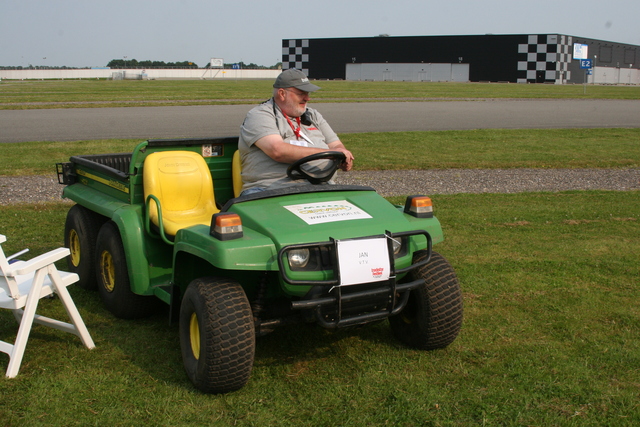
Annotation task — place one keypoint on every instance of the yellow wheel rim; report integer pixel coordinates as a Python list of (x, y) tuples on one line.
[(406, 319), (108, 271), (194, 336), (74, 247)]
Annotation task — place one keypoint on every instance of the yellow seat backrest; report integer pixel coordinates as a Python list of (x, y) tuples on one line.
[(236, 173), (182, 182)]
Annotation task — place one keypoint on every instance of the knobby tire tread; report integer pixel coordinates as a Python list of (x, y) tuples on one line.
[(433, 316), (227, 336)]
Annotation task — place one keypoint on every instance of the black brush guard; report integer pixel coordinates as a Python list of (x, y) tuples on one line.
[(355, 304)]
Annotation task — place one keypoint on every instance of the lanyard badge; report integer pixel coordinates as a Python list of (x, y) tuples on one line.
[(296, 131)]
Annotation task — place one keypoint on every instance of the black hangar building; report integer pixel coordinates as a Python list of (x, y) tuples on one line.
[(518, 58)]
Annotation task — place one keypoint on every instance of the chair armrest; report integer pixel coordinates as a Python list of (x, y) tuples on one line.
[(41, 261)]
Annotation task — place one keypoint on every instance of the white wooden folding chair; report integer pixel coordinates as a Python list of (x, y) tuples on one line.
[(22, 285)]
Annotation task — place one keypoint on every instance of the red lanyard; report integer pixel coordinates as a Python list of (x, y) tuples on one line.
[(295, 131)]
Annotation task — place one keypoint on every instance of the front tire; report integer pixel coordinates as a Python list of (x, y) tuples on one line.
[(112, 276), (217, 335), (432, 317)]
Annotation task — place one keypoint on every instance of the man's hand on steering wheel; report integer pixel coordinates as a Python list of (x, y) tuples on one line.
[(347, 165)]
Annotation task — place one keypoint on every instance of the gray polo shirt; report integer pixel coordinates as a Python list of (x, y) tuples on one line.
[(260, 170)]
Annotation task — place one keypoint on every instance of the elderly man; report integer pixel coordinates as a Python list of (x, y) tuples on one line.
[(281, 131)]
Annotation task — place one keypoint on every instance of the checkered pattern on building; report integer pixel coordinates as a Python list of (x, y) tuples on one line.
[(295, 55), (547, 53)]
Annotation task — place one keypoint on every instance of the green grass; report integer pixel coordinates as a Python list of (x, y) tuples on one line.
[(550, 287), (17, 159), (101, 93), (494, 148), (550, 337)]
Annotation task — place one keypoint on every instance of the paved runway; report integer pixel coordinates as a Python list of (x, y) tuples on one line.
[(76, 124)]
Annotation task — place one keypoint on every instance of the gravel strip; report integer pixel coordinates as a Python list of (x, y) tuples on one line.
[(39, 188), (450, 181), (29, 189)]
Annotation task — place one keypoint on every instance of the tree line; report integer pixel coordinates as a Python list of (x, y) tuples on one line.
[(134, 63), (39, 67)]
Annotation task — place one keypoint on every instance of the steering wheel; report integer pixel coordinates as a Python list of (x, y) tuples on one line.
[(336, 158)]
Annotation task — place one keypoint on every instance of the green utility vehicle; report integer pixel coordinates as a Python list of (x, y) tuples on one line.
[(165, 223)]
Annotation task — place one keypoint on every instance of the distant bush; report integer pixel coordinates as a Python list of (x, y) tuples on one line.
[(134, 63)]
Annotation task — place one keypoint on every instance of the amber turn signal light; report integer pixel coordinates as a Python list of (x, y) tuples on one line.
[(419, 206)]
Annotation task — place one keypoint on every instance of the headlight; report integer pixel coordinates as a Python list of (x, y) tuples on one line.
[(298, 258), (397, 246), (400, 246)]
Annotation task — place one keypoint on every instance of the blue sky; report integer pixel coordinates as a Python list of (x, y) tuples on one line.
[(90, 33)]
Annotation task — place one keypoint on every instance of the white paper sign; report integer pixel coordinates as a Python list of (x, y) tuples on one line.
[(321, 212), (580, 51), (363, 261)]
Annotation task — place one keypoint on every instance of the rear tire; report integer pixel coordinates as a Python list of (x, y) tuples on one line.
[(80, 234), (432, 317), (217, 335), (112, 276)]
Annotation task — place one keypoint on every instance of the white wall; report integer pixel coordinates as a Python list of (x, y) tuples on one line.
[(408, 72), (178, 73), (614, 76)]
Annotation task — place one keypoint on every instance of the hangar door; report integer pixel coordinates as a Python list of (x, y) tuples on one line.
[(408, 72)]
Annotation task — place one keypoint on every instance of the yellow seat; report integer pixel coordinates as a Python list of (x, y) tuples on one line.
[(236, 174), (182, 184)]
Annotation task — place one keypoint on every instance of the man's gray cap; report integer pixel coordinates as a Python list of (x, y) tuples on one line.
[(294, 78)]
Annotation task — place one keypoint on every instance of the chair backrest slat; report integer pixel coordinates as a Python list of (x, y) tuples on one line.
[(7, 277)]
